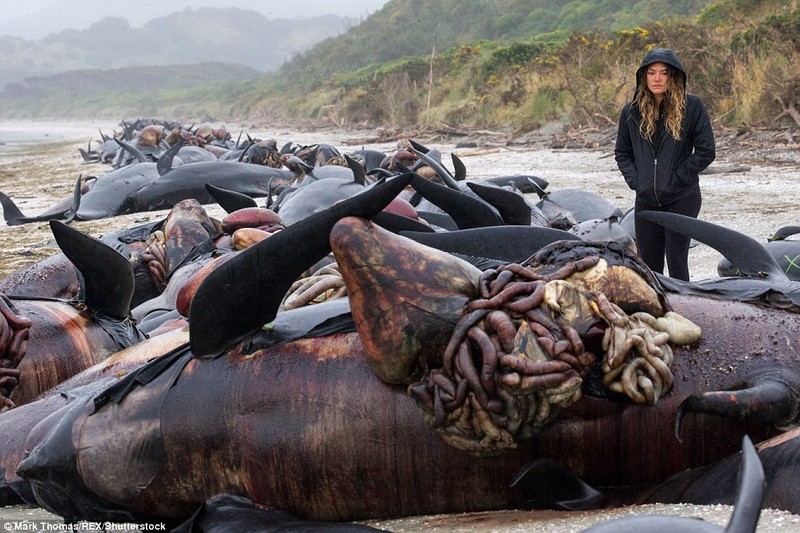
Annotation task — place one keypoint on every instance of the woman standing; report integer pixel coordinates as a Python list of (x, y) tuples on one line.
[(663, 143)]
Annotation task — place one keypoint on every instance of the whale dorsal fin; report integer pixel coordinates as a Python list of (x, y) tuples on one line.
[(135, 152), (511, 206), (243, 294), (465, 210), (108, 279), (230, 200), (164, 163)]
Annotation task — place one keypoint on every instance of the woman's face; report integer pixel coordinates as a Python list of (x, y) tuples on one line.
[(657, 79)]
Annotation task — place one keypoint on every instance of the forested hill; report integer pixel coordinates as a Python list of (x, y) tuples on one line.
[(417, 27)]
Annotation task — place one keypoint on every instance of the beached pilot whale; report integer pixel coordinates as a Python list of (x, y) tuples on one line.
[(150, 186)]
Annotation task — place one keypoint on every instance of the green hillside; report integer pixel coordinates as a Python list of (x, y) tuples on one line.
[(416, 27)]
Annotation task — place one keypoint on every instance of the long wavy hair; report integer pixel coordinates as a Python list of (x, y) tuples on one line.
[(674, 105)]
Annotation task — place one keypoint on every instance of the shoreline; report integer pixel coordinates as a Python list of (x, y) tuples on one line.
[(17, 133)]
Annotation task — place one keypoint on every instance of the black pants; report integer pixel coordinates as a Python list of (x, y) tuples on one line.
[(654, 241)]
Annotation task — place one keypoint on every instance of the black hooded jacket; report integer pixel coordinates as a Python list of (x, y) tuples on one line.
[(664, 170)]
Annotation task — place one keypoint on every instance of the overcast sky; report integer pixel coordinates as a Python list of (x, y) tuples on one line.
[(33, 19)]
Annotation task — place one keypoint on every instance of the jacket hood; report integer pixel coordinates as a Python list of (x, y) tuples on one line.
[(659, 55)]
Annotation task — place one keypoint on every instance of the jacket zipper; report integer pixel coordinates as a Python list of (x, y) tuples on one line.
[(655, 168)]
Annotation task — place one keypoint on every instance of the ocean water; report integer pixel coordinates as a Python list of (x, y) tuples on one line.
[(20, 133)]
